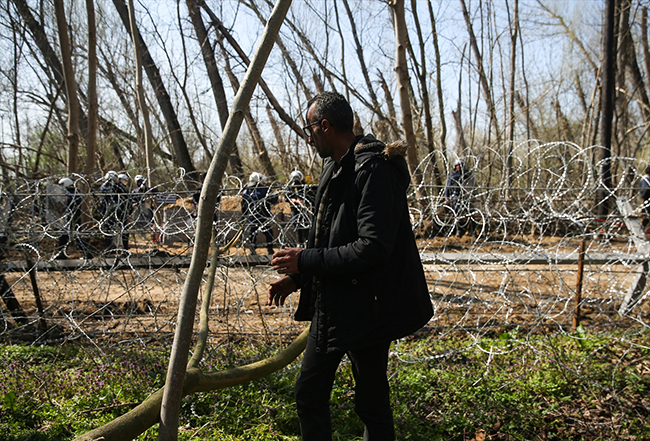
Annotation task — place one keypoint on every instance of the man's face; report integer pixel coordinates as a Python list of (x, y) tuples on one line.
[(317, 138)]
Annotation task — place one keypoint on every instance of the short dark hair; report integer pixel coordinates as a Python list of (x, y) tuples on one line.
[(333, 107), (647, 170)]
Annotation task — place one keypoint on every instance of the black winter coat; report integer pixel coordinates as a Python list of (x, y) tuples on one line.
[(364, 283)]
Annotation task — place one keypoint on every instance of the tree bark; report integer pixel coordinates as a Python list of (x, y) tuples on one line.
[(514, 28), (441, 106), (93, 109), (401, 70), (285, 53), (644, 42), (608, 82), (630, 61), (284, 116), (360, 56), (258, 141), (70, 87)]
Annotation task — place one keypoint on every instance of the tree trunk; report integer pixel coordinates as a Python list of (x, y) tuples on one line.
[(173, 393), (608, 82), (441, 106), (164, 101), (12, 304), (258, 141), (644, 43), (216, 82), (139, 91), (70, 87), (401, 69), (514, 28), (485, 84), (93, 110), (284, 116), (360, 56), (630, 61), (285, 53), (285, 158)]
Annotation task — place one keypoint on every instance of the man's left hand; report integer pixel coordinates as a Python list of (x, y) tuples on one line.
[(285, 261)]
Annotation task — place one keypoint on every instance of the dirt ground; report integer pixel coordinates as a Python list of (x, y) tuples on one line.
[(140, 304)]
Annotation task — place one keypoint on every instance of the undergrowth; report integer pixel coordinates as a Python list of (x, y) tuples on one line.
[(582, 386)]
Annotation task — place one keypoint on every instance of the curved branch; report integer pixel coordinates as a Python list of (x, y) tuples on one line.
[(145, 415)]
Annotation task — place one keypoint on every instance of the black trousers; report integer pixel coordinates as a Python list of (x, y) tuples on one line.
[(371, 398)]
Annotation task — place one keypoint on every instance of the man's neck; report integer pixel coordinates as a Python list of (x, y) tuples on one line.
[(342, 146)]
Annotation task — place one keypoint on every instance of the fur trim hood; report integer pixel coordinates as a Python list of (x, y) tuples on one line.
[(369, 147)]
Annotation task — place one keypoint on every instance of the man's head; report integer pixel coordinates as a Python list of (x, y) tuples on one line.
[(647, 170), (66, 182), (111, 176), (296, 176), (256, 178), (329, 124), (124, 179), (140, 180)]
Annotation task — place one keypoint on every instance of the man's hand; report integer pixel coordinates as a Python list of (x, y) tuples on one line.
[(280, 290), (285, 261)]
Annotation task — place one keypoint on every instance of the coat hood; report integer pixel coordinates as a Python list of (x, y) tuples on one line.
[(369, 147)]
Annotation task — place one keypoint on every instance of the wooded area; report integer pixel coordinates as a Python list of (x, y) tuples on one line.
[(466, 79), (489, 82)]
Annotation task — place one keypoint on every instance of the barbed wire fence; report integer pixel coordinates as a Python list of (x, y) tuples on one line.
[(527, 255), (531, 255)]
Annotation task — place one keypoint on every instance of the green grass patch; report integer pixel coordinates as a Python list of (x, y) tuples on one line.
[(563, 387)]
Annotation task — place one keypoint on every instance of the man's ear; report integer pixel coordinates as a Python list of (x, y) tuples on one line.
[(325, 125)]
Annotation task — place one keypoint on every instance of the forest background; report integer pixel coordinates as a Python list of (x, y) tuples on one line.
[(485, 81), (482, 76)]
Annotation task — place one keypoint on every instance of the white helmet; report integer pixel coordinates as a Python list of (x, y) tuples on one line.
[(124, 178), (111, 176), (256, 178), (140, 180), (296, 176), (66, 182)]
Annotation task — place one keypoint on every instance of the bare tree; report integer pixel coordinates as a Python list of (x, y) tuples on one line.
[(514, 29), (441, 106), (176, 371), (139, 88), (71, 89), (608, 83), (284, 116), (403, 82), (483, 79), (258, 141), (93, 107), (182, 155), (216, 82)]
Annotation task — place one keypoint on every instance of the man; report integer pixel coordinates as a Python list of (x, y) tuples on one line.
[(115, 208), (72, 222), (644, 192), (142, 199), (362, 283), (460, 185), (301, 199), (256, 204)]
